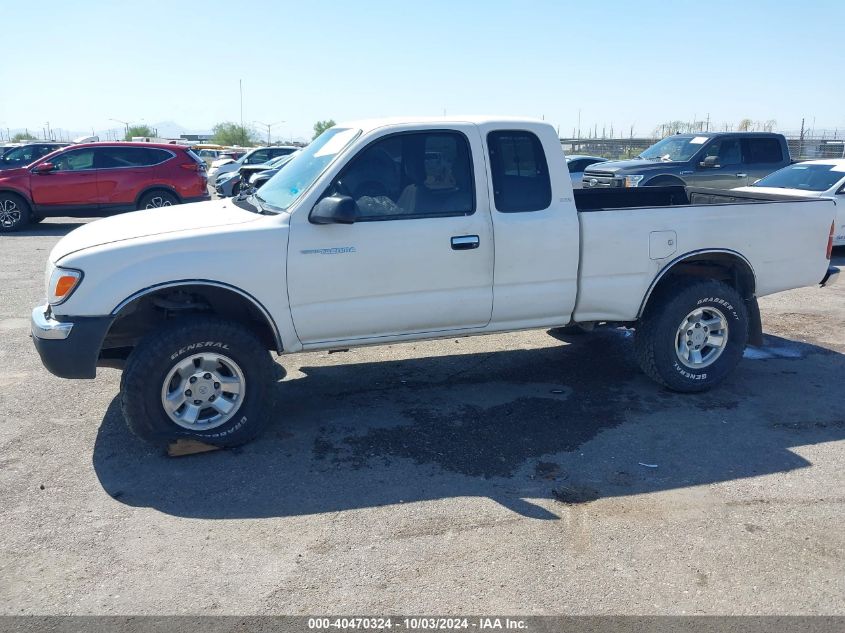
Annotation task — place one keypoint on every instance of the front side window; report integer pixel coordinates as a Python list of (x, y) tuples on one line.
[(258, 157), (76, 160), (577, 165), (281, 151), (406, 176), (520, 174), (726, 151)]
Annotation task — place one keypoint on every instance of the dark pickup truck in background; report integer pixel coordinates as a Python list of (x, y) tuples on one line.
[(721, 160)]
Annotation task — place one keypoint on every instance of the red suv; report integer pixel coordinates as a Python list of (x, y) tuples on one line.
[(100, 179)]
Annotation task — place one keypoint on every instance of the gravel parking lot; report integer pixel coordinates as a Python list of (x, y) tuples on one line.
[(521, 473)]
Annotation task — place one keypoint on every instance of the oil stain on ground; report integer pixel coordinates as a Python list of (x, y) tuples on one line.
[(495, 441)]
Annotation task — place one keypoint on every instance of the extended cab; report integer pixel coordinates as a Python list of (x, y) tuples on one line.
[(722, 160), (395, 230)]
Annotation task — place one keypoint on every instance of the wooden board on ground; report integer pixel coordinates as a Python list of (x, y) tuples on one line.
[(183, 447)]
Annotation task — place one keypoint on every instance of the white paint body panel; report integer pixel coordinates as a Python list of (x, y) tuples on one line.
[(402, 281)]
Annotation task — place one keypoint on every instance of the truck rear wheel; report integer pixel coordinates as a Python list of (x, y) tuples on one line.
[(691, 337), (204, 378)]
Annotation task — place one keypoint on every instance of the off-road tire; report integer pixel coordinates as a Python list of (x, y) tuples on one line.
[(655, 338), (150, 362)]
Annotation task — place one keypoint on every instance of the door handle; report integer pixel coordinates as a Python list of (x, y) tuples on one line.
[(742, 175), (465, 242)]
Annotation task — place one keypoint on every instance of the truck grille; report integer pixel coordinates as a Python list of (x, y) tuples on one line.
[(600, 179)]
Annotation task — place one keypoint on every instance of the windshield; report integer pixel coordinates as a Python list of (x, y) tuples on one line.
[(814, 177), (22, 155), (675, 148), (304, 168)]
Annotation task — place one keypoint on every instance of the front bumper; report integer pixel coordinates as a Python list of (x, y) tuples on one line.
[(68, 348), (831, 278)]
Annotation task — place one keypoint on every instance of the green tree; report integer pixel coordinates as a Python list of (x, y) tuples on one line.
[(322, 126), (22, 136), (138, 130), (228, 133)]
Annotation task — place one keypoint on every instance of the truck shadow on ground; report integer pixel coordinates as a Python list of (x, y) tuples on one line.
[(534, 430), (46, 229)]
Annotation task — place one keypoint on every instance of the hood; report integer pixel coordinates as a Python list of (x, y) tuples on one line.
[(221, 161), (12, 171), (636, 165), (199, 215), (782, 191)]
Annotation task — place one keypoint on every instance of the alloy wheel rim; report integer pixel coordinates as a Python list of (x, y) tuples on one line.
[(157, 202), (701, 337), (203, 391), (10, 214)]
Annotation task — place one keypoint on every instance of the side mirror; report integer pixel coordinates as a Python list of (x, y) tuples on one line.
[(43, 168), (334, 210), (710, 162)]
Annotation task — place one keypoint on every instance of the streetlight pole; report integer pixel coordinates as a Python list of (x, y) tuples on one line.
[(125, 125), (268, 126)]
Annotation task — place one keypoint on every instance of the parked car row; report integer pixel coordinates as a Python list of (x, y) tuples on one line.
[(211, 153), (256, 156), (42, 179), (100, 179), (250, 177)]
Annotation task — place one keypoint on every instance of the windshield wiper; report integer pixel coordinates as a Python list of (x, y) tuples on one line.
[(264, 207)]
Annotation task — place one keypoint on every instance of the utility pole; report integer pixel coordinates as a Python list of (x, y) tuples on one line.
[(268, 126), (707, 129), (241, 90)]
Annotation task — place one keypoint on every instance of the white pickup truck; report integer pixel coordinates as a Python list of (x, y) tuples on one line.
[(395, 230)]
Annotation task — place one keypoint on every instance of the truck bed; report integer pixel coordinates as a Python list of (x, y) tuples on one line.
[(629, 235), (673, 196)]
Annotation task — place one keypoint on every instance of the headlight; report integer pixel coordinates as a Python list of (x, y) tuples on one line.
[(633, 181), (63, 281)]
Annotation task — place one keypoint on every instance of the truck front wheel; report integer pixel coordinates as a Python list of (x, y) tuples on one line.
[(692, 336), (203, 378)]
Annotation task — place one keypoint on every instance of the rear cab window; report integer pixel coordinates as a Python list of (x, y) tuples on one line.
[(520, 173), (762, 150)]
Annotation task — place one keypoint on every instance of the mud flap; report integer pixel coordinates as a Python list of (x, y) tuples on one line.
[(755, 323)]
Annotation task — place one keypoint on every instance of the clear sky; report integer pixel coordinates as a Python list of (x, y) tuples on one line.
[(79, 64)]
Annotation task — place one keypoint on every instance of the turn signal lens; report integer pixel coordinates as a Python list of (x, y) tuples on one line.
[(65, 285), (63, 282), (830, 240)]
